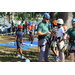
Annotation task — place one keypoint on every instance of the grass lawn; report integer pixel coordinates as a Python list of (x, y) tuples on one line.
[(8, 54)]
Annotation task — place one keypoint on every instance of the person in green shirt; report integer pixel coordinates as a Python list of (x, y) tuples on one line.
[(71, 44), (43, 30), (14, 25), (21, 23)]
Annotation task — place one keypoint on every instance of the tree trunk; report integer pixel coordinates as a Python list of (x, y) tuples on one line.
[(52, 15), (67, 17), (11, 16)]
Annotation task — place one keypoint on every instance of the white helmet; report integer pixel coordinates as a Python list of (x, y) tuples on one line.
[(60, 21)]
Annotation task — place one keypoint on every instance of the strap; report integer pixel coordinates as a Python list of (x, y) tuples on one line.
[(72, 41)]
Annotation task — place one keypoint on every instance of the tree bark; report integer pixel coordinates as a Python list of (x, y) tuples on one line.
[(11, 16), (67, 17), (52, 15)]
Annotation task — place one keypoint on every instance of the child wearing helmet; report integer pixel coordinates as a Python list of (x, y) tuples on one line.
[(60, 39), (53, 41), (19, 41), (31, 38)]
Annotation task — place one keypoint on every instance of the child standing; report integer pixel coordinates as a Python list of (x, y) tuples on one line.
[(53, 41), (60, 39), (19, 40), (31, 34)]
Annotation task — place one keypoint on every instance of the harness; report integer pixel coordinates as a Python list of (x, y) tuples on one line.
[(72, 43), (44, 44), (59, 38), (65, 45)]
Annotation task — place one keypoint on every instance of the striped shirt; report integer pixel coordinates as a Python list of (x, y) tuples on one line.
[(55, 30)]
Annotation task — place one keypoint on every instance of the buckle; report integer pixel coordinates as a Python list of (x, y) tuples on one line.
[(74, 41)]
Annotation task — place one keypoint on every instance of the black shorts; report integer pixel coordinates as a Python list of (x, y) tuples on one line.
[(71, 51)]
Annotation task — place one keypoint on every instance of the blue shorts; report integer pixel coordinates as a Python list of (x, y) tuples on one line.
[(19, 44)]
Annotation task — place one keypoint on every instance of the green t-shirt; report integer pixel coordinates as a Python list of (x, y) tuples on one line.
[(71, 33), (44, 28), (21, 24), (14, 23)]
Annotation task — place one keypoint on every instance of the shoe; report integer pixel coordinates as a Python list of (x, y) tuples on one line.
[(54, 59), (50, 56), (22, 57), (31, 44), (18, 55), (57, 58)]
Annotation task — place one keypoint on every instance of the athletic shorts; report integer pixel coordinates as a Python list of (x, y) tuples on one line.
[(19, 44), (54, 48), (54, 45)]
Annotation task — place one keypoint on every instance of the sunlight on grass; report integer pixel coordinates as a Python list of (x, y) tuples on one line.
[(8, 54)]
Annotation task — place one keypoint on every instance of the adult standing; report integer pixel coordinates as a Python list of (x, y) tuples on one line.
[(43, 37), (71, 45), (9, 27), (21, 23), (26, 28)]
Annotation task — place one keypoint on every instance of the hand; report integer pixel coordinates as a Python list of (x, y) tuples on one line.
[(15, 44), (60, 41), (48, 33), (67, 47)]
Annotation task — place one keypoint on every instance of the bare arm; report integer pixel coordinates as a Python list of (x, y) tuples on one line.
[(43, 34), (22, 41), (40, 33), (15, 40)]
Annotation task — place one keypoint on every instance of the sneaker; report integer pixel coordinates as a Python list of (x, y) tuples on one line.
[(31, 44), (22, 57), (18, 55), (54, 59), (57, 58), (50, 56)]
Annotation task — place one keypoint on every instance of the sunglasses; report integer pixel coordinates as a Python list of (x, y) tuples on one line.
[(46, 19), (58, 24)]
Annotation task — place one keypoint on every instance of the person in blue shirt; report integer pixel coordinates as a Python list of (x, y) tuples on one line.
[(31, 31), (19, 41)]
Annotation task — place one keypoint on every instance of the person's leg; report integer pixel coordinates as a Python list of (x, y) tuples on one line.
[(42, 50), (20, 51), (61, 54), (26, 32), (18, 48), (57, 52), (72, 57), (46, 53)]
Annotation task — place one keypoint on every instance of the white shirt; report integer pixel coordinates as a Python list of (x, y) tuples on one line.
[(60, 32), (8, 25)]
